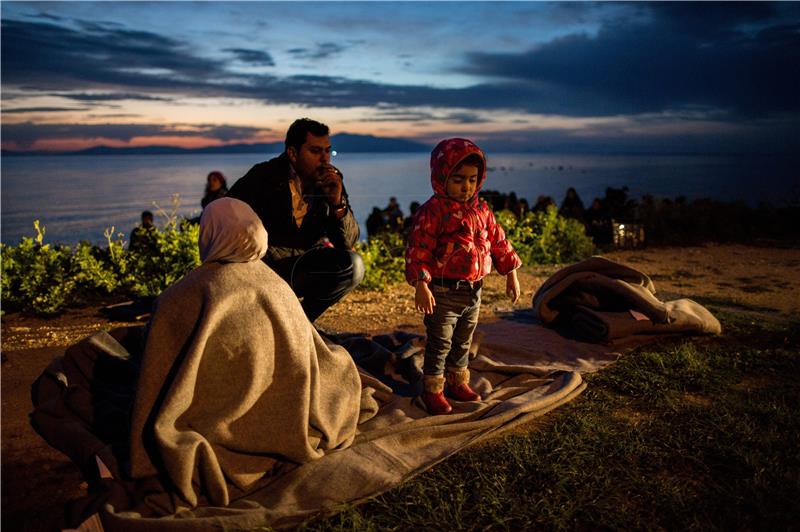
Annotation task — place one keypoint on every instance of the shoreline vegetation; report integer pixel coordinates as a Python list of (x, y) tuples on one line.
[(43, 279)]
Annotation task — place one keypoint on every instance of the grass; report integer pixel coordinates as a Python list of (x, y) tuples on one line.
[(692, 434)]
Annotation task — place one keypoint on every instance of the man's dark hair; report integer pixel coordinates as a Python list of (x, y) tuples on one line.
[(147, 214), (298, 131)]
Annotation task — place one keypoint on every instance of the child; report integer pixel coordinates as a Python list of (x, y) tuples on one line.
[(453, 242)]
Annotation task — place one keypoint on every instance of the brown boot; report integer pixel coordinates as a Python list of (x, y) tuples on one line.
[(458, 385), (433, 396)]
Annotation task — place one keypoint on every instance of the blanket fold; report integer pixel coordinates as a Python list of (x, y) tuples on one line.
[(233, 381), (599, 300), (394, 440)]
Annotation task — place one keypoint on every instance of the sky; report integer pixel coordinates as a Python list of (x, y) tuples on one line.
[(706, 77)]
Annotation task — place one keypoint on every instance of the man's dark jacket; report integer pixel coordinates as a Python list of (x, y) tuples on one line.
[(266, 189)]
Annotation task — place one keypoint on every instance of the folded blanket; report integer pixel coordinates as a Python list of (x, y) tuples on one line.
[(599, 300)]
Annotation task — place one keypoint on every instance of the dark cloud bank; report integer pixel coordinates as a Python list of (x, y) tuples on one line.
[(736, 62)]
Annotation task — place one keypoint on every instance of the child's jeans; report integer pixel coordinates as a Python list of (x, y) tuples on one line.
[(450, 327)]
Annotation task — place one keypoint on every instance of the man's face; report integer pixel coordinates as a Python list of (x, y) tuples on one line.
[(312, 157)]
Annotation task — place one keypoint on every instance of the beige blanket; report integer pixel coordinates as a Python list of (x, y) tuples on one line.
[(398, 442), (234, 379), (600, 300)]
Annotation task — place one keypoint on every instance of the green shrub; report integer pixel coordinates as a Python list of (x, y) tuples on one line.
[(172, 254), (546, 237), (384, 261), (43, 279), (35, 276)]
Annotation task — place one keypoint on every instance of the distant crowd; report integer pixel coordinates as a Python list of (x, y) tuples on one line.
[(598, 218)]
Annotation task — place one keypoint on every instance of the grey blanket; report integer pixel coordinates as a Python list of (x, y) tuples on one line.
[(599, 300)]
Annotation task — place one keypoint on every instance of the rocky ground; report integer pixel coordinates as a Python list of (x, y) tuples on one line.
[(37, 481)]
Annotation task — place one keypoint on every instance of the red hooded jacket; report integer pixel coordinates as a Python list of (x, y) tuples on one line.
[(454, 240)]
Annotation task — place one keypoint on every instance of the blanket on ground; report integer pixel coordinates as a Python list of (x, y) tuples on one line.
[(230, 356), (600, 300), (80, 408)]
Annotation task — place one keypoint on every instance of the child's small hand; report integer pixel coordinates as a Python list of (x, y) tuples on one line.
[(512, 286), (423, 299)]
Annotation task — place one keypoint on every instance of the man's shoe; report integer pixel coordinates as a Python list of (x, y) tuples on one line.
[(458, 385), (433, 395)]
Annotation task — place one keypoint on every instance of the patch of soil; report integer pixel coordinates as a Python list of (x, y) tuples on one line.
[(746, 276), (38, 481), (693, 399)]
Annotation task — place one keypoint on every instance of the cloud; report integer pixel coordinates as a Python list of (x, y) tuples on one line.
[(700, 59), (254, 57), (52, 56), (388, 114), (322, 51), (776, 137), (110, 96), (25, 134), (684, 55), (44, 110)]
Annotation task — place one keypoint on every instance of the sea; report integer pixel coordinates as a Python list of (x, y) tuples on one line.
[(80, 197)]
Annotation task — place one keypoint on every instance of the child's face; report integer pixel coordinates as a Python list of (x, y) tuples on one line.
[(461, 184)]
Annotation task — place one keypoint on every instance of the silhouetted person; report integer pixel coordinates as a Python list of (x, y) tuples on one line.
[(376, 222), (598, 223), (394, 215), (496, 200), (216, 187), (409, 220), (512, 204), (524, 208), (572, 206), (542, 203), (618, 206), (143, 235)]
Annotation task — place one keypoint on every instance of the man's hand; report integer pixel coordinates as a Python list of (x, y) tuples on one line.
[(512, 286), (423, 299), (329, 181)]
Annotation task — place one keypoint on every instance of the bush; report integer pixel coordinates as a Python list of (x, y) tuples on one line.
[(172, 254), (546, 237), (43, 279), (384, 261), (35, 276)]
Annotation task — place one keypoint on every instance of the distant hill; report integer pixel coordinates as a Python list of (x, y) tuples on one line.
[(343, 142)]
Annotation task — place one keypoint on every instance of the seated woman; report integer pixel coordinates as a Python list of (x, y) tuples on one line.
[(234, 377), (216, 188)]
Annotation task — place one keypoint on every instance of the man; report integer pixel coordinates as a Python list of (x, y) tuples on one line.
[(303, 205), (143, 236)]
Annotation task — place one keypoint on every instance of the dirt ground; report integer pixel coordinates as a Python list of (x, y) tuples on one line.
[(38, 481)]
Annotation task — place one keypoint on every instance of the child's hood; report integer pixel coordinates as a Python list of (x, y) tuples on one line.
[(446, 156)]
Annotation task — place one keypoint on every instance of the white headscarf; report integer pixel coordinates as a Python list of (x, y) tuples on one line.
[(231, 232)]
